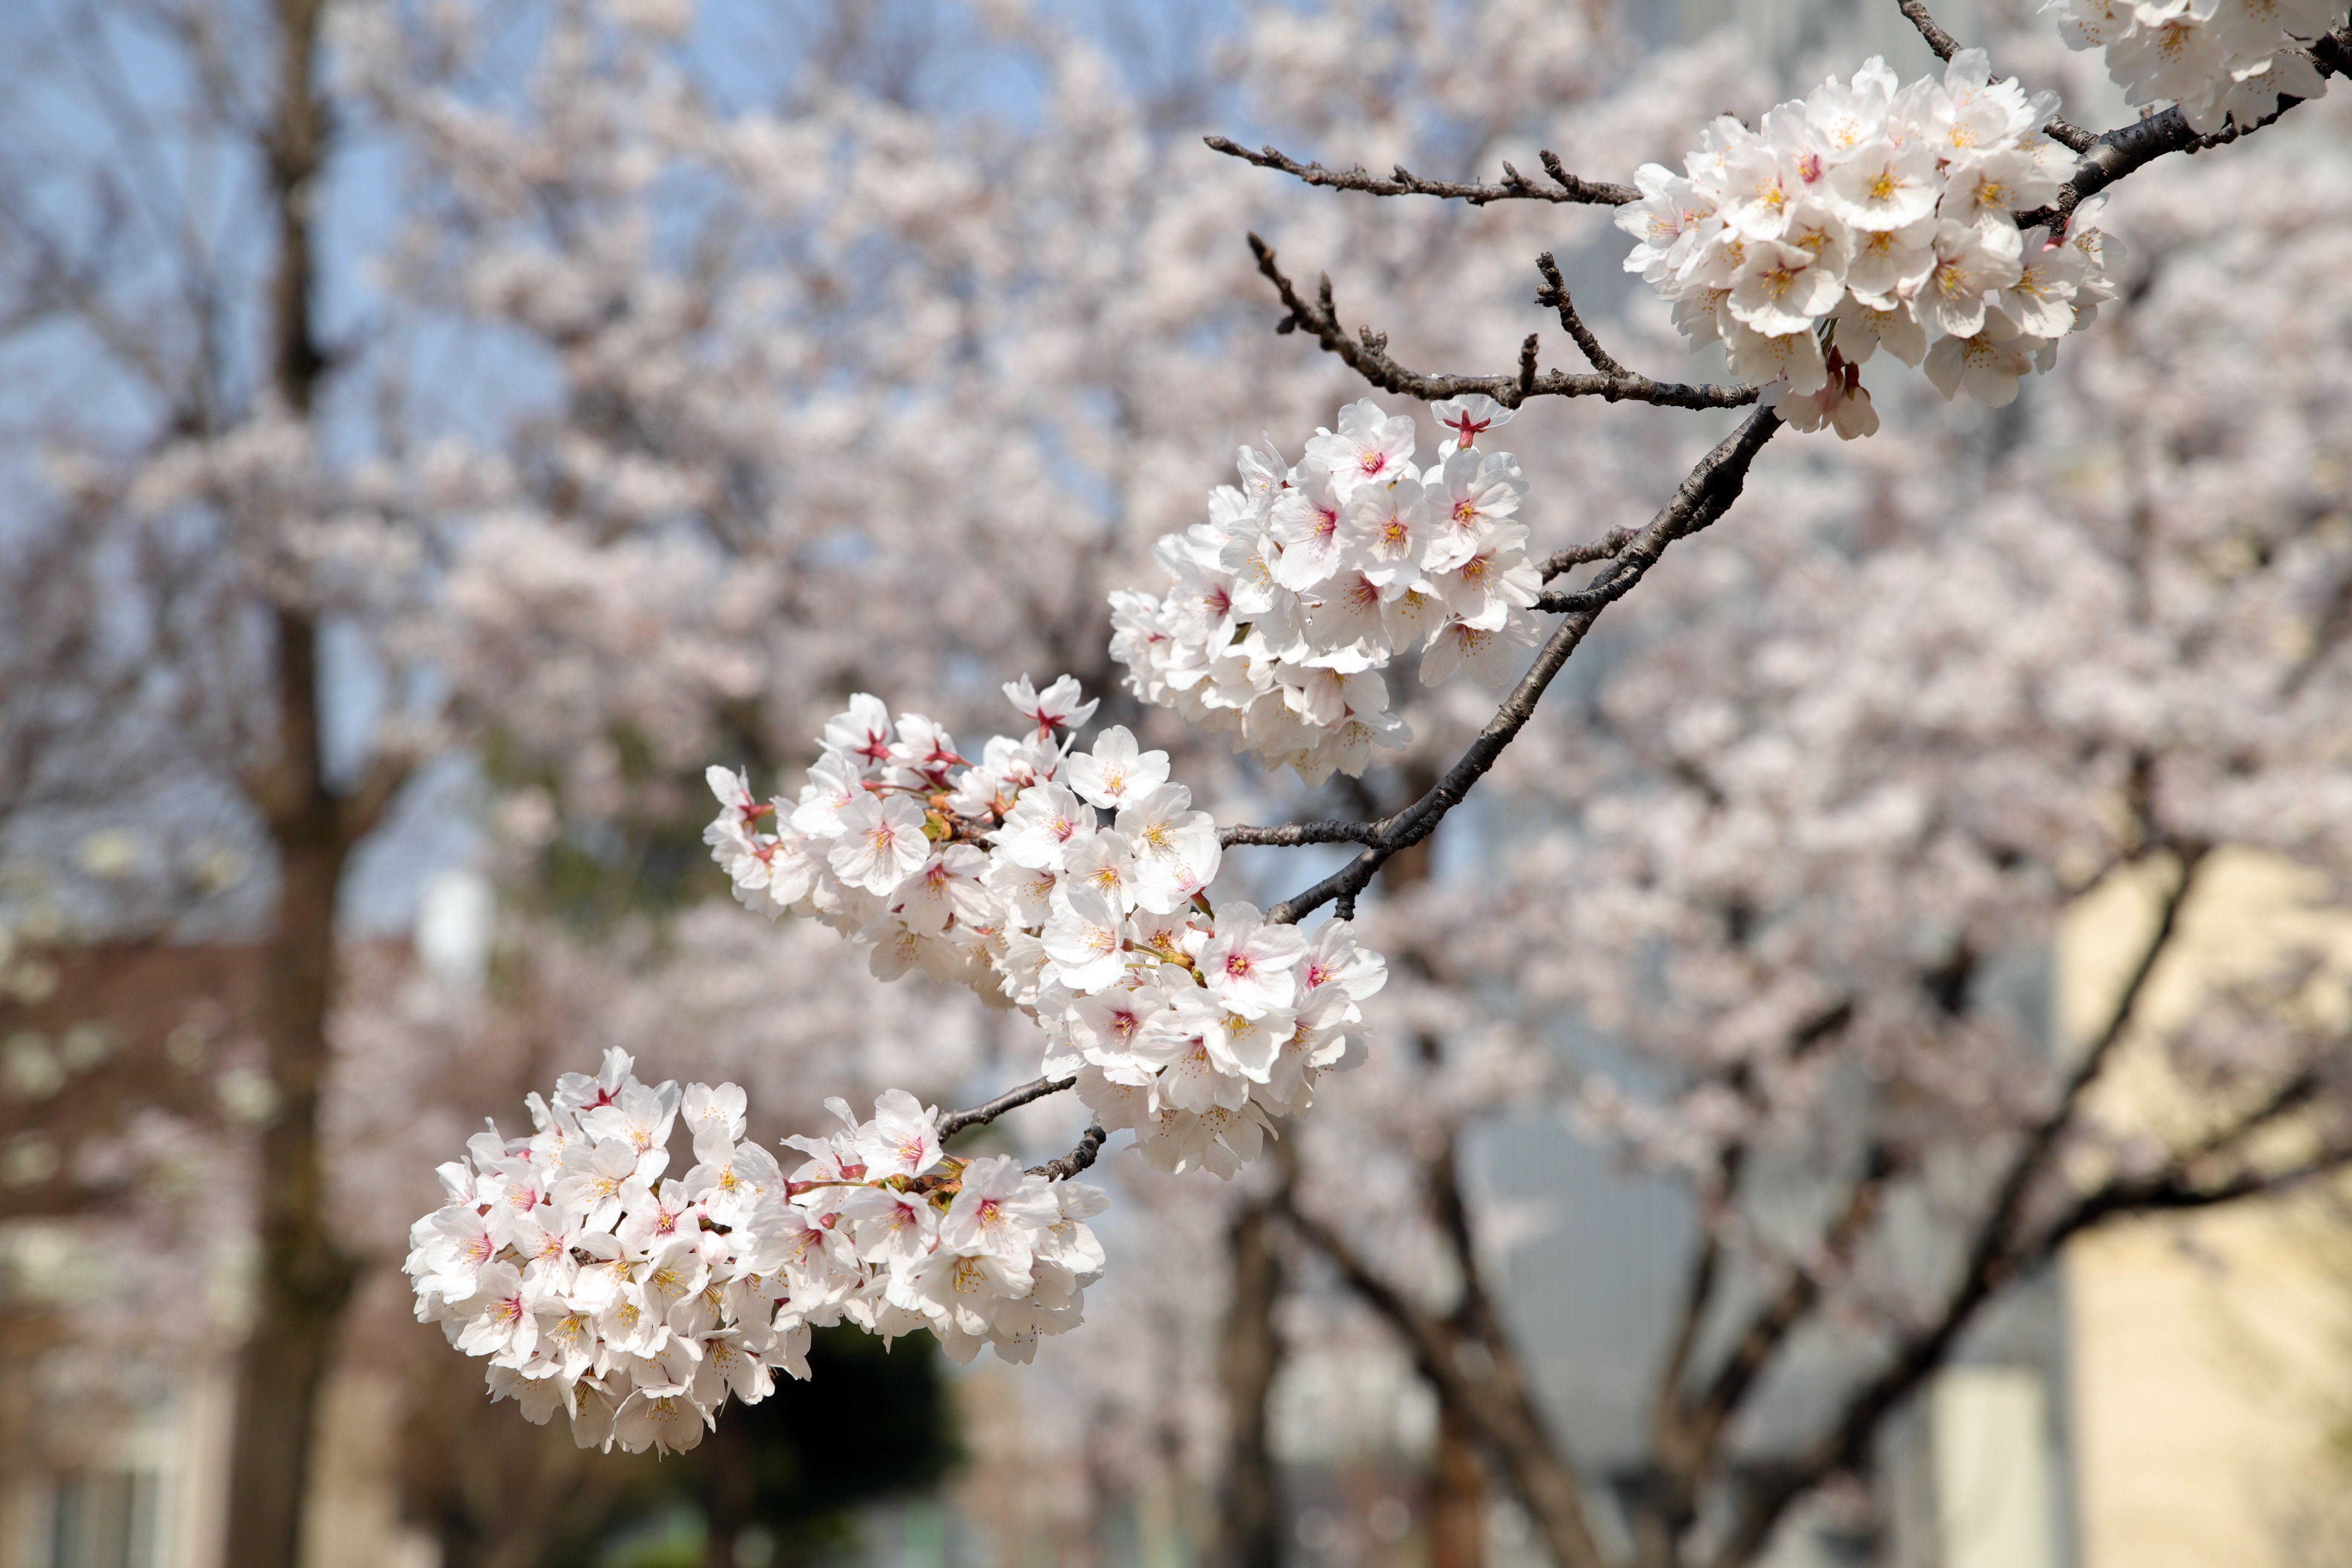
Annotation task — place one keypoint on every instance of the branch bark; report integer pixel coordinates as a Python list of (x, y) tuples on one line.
[(2129, 147), (1514, 186), (956, 1121), (1366, 353)]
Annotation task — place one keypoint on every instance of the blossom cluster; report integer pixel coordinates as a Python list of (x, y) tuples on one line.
[(1870, 214), (2216, 58), (1073, 885), (638, 1303), (1292, 597)]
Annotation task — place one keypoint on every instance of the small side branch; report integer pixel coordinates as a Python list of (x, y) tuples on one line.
[(1090, 1144), (1514, 185), (956, 1121), (1608, 547), (1555, 293), (2063, 131), (1366, 354)]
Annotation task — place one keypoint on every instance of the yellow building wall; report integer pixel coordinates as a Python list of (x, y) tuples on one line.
[(2211, 1354)]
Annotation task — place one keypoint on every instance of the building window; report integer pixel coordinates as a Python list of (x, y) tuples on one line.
[(104, 1519)]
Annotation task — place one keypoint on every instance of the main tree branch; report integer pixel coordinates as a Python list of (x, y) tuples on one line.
[(2134, 146), (1705, 495)]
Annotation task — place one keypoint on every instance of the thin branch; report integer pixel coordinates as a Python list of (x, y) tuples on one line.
[(2172, 1190), (1705, 495), (956, 1121), (1774, 1320), (1608, 547), (1698, 1289), (1090, 1144), (1366, 353), (1555, 293), (2063, 131), (1515, 186)]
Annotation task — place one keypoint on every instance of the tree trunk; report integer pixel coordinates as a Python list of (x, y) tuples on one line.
[(1249, 1527), (729, 1485), (303, 1279), (1457, 1494)]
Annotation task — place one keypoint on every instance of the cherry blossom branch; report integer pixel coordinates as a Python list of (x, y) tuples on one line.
[(1515, 186), (1293, 834), (1555, 293), (1366, 353), (2063, 131), (1705, 495), (1090, 1144), (2130, 147), (1608, 547), (956, 1121)]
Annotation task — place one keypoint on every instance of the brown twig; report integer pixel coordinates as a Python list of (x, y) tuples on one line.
[(1514, 186), (2065, 132), (1705, 494), (1090, 1144), (956, 1121), (1555, 293), (1366, 353)]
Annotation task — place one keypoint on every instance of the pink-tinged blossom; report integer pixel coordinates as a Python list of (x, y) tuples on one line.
[(1246, 964), (946, 888), (998, 1210), (881, 845), (1384, 532), (704, 1109), (903, 1138), (1115, 770), (1082, 939), (1467, 419), (1368, 448), (1176, 849), (1304, 520), (861, 734), (1987, 365), (502, 1320), (1972, 262), (1058, 707), (1045, 822), (663, 1417), (1489, 657), (1782, 287), (1883, 185), (1470, 491)]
